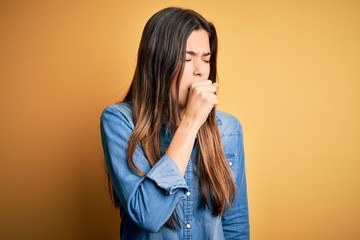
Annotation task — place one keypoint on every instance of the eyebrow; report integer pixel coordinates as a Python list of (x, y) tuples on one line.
[(194, 53)]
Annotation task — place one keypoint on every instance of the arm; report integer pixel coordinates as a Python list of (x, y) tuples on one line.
[(236, 219), (149, 200), (201, 100)]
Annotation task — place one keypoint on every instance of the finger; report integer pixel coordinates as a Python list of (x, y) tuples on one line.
[(205, 88), (210, 99), (213, 101), (216, 85), (201, 83)]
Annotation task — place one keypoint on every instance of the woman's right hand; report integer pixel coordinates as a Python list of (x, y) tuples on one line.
[(200, 101)]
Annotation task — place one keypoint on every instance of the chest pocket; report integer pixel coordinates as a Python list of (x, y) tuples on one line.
[(231, 159), (229, 142)]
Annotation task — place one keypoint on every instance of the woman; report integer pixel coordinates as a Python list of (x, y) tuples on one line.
[(175, 164)]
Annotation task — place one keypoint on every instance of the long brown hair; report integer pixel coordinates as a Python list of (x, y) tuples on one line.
[(159, 66)]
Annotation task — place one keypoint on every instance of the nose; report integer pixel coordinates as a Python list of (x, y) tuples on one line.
[(199, 68)]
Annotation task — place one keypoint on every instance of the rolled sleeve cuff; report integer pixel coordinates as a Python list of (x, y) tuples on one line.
[(166, 174)]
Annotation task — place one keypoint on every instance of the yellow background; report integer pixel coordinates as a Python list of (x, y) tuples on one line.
[(289, 70)]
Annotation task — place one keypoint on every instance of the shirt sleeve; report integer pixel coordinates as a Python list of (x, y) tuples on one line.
[(149, 200), (236, 219)]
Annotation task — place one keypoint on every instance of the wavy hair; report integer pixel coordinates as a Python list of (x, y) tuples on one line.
[(160, 64)]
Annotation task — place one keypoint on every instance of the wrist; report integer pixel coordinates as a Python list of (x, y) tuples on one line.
[(190, 124)]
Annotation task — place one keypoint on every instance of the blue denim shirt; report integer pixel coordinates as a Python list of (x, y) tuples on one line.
[(148, 201)]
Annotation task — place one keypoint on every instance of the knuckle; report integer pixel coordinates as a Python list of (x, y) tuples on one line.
[(203, 95), (197, 90), (193, 85)]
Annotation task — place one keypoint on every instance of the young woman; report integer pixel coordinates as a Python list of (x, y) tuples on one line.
[(175, 164)]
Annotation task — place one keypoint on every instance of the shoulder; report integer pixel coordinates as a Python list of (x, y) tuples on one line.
[(228, 124), (122, 110), (121, 107)]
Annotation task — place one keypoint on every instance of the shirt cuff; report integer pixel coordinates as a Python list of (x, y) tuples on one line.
[(166, 174)]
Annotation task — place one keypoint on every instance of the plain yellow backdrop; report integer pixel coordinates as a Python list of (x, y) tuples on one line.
[(289, 70)]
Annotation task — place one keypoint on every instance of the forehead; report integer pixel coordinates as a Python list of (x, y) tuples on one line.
[(198, 41)]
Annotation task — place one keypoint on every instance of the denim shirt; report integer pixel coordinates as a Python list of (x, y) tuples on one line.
[(146, 202)]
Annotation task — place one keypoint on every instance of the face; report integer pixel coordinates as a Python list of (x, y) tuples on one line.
[(197, 63)]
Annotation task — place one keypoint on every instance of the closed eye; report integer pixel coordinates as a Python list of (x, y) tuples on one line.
[(205, 57)]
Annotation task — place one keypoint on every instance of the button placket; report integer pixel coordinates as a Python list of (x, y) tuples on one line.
[(188, 204)]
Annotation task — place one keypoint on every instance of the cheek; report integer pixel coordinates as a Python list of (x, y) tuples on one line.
[(183, 91), (186, 79), (207, 71)]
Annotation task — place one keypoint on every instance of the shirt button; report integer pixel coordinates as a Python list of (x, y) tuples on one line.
[(188, 194), (230, 163), (188, 225)]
